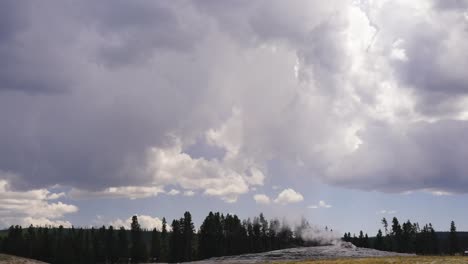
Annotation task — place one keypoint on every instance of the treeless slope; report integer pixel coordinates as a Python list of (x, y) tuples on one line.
[(8, 259)]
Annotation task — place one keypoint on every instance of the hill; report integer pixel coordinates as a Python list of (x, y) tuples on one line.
[(8, 259)]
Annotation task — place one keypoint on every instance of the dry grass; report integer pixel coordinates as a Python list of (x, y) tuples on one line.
[(391, 260)]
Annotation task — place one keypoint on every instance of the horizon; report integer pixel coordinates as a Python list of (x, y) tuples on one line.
[(340, 112)]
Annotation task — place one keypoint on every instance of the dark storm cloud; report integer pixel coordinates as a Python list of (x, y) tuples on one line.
[(430, 156), (137, 28), (451, 4), (435, 58), (97, 134), (67, 120), (438, 86), (88, 88), (12, 20), (30, 62)]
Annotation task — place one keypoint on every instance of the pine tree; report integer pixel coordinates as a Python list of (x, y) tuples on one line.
[(187, 234), (433, 240), (175, 242), (155, 245), (257, 235), (273, 232), (453, 239), (164, 242), (111, 246), (360, 239), (138, 251), (396, 235), (385, 225), (263, 232), (366, 241), (123, 244), (379, 242)]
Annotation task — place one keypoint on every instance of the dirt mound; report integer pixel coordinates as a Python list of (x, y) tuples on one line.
[(8, 259), (340, 250)]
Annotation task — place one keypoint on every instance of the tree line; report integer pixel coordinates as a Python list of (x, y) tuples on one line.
[(409, 238), (219, 235)]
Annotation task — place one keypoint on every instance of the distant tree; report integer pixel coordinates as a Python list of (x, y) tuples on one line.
[(361, 238), (257, 236), (164, 242), (122, 244), (453, 239), (379, 242), (155, 245), (345, 237), (31, 242), (176, 247), (250, 236), (408, 237), (99, 244), (385, 225), (112, 253), (396, 235), (265, 245), (273, 233), (355, 240), (285, 235), (187, 232), (300, 229), (434, 243), (211, 241), (138, 249), (234, 235)]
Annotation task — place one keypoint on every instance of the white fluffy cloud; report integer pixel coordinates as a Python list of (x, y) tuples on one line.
[(132, 192), (387, 212), (173, 192), (261, 199), (189, 193), (288, 196), (32, 207), (145, 221), (171, 166), (321, 204)]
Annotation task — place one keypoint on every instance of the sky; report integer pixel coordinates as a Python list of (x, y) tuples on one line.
[(341, 112)]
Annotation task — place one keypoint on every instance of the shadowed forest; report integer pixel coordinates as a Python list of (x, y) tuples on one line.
[(219, 235)]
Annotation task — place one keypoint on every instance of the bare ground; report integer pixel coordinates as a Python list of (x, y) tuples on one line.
[(391, 260), (341, 250), (8, 259)]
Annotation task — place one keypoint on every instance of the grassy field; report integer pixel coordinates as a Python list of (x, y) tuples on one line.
[(392, 260)]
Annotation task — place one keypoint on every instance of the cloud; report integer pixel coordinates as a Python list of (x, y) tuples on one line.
[(173, 192), (132, 192), (425, 160), (261, 199), (145, 221), (321, 204), (189, 193), (440, 193), (326, 90), (32, 207), (172, 166), (288, 196), (42, 221), (387, 212)]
